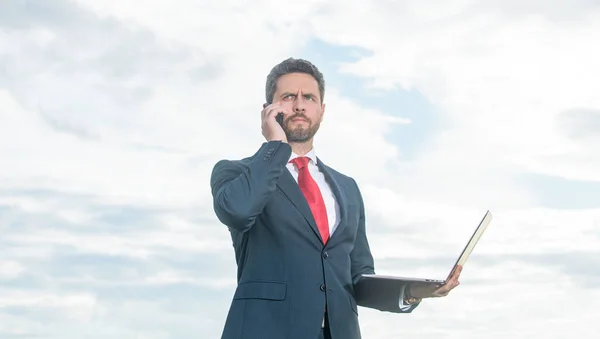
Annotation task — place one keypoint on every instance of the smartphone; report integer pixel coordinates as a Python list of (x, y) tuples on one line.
[(279, 119)]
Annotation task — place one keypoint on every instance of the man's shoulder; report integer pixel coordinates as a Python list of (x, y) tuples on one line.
[(226, 169), (265, 148)]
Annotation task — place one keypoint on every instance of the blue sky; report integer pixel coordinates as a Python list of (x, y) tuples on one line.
[(112, 116), (398, 102), (561, 193)]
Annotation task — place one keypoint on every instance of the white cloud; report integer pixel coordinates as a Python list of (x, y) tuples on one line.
[(76, 306), (498, 80), (129, 106), (10, 269)]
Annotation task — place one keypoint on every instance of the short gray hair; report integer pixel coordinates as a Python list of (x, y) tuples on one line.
[(292, 65)]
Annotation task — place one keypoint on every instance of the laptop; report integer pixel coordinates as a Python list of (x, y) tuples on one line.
[(460, 261)]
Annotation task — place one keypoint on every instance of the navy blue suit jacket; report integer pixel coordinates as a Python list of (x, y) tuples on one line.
[(286, 277)]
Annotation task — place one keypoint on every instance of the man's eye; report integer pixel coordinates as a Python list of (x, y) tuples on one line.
[(289, 96), (308, 97)]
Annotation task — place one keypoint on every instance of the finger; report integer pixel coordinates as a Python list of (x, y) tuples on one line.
[(455, 274), (270, 107), (275, 110), (446, 288), (458, 270), (268, 114), (272, 115), (452, 283), (264, 111), (453, 270), (452, 273), (441, 290)]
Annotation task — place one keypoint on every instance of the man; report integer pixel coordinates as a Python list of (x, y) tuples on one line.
[(298, 226)]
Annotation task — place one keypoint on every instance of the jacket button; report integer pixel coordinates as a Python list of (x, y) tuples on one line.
[(323, 287), (325, 255)]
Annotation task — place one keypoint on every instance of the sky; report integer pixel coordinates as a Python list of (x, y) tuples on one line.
[(112, 115)]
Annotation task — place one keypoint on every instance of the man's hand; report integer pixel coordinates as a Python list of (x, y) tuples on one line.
[(271, 129), (423, 290)]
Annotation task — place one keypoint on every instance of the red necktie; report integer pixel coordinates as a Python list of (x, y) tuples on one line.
[(313, 196)]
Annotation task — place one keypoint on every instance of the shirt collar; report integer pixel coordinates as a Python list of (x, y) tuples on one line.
[(311, 155)]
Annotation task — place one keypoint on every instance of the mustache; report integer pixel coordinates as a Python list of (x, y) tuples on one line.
[(298, 115)]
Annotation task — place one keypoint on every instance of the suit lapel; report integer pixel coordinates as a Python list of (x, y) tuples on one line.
[(339, 196), (290, 188)]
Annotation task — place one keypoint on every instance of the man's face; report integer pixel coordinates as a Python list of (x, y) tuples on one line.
[(299, 93)]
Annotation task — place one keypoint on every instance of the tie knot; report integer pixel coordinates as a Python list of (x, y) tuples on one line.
[(300, 162)]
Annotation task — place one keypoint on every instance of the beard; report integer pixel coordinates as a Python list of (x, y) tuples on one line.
[(300, 134)]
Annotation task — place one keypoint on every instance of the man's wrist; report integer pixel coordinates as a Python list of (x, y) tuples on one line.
[(409, 299)]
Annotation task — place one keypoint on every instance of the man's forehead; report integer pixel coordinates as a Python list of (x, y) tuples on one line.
[(295, 82), (297, 89)]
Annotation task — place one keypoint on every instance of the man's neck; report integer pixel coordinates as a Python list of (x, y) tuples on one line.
[(301, 148)]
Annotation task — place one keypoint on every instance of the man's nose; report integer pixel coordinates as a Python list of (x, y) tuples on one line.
[(299, 104)]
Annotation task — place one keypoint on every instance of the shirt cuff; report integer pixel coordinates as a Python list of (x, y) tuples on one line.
[(403, 306)]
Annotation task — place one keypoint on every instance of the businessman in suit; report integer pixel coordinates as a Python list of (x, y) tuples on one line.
[(298, 227)]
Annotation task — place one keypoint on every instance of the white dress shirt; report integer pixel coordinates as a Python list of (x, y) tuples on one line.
[(331, 204)]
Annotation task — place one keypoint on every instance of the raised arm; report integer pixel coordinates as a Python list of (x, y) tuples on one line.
[(241, 190)]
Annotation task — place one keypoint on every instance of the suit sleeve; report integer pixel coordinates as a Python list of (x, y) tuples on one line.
[(389, 299), (240, 193)]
